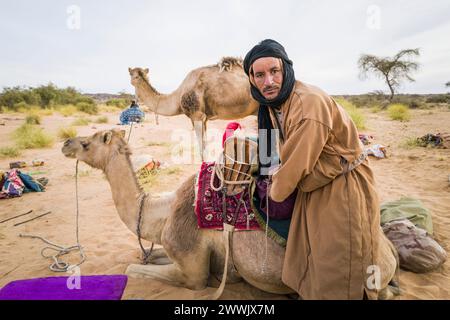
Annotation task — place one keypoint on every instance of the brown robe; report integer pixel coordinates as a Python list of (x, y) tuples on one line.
[(335, 231)]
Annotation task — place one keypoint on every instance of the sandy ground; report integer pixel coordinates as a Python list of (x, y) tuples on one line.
[(110, 247)]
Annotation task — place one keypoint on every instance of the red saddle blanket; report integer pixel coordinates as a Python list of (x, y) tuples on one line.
[(209, 204)]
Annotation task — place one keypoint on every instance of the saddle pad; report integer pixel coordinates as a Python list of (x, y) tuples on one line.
[(99, 287), (208, 204)]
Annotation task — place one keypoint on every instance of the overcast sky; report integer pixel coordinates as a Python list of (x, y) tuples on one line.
[(91, 44)]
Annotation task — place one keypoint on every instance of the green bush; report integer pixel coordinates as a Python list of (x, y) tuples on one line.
[(80, 122), (67, 110), (21, 106), (33, 118), (410, 143), (439, 98), (102, 119), (44, 96), (399, 112), (9, 152), (354, 113), (87, 108), (31, 137), (65, 133), (120, 103)]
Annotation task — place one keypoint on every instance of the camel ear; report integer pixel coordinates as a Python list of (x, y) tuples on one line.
[(146, 70), (107, 136), (129, 70)]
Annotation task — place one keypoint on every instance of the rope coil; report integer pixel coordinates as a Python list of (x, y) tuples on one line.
[(58, 265)]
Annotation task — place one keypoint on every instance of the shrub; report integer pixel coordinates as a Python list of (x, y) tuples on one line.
[(67, 110), (375, 109), (399, 112), (410, 143), (33, 118), (439, 98), (105, 108), (65, 133), (9, 152), (102, 119), (21, 107), (120, 103), (354, 113), (87, 108), (44, 96), (80, 122), (31, 137)]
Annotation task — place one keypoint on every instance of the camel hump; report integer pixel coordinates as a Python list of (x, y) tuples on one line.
[(227, 63)]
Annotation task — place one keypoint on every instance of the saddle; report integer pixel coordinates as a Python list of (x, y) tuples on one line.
[(224, 187)]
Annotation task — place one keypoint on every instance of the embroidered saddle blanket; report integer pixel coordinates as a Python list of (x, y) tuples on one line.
[(209, 204)]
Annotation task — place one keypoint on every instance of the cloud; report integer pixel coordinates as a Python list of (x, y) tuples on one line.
[(324, 39)]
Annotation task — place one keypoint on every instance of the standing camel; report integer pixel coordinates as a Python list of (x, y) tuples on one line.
[(219, 91), (171, 222)]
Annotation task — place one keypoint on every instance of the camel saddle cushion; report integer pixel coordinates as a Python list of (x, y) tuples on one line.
[(209, 204)]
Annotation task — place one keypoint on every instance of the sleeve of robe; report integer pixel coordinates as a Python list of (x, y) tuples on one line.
[(299, 154)]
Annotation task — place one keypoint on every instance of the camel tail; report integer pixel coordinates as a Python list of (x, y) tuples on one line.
[(227, 63)]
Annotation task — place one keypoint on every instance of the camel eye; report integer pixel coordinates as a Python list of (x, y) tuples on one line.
[(85, 145)]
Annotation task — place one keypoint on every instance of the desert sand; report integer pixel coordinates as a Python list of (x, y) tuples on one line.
[(110, 247)]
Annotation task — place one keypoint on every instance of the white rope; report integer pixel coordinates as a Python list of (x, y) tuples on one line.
[(58, 265), (267, 227), (218, 171)]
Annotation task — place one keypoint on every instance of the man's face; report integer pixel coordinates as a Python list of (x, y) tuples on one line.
[(268, 76)]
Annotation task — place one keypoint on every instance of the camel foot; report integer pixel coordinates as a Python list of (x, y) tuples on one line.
[(169, 273), (166, 273)]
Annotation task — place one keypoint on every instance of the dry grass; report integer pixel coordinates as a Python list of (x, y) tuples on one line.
[(108, 109), (354, 113), (159, 144), (81, 122), (67, 110), (410, 143), (9, 152), (65, 133), (399, 112), (102, 119), (33, 118), (32, 137)]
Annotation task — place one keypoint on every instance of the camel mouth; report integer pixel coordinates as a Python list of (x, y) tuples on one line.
[(68, 152)]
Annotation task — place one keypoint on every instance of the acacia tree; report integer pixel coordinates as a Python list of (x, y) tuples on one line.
[(392, 70)]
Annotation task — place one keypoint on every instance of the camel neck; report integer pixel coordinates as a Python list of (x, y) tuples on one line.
[(125, 192), (163, 104)]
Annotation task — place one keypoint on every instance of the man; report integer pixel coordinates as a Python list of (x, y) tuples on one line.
[(132, 114), (335, 236)]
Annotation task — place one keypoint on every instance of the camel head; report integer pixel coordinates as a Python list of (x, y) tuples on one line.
[(97, 150), (137, 74)]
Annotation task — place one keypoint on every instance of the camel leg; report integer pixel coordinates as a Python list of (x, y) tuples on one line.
[(159, 257), (200, 132), (169, 273), (156, 119), (192, 272)]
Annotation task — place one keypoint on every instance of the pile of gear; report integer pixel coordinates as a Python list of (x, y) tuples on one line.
[(439, 140), (376, 150), (408, 225), (14, 183)]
